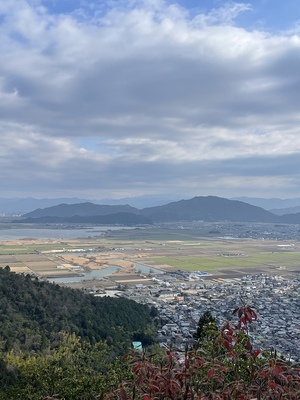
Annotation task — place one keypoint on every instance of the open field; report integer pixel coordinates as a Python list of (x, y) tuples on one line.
[(166, 249), (223, 262)]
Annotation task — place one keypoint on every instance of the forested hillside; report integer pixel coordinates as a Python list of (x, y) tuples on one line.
[(33, 313), (59, 341)]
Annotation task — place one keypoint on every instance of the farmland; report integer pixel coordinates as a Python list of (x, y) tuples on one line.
[(165, 249)]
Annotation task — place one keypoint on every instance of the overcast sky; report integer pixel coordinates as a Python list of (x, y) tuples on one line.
[(125, 98)]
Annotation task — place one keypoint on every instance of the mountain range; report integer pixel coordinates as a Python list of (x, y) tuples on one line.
[(25, 205), (209, 208), (28, 204)]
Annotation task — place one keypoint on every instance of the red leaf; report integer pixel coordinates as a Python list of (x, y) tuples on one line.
[(276, 370), (256, 353), (123, 394), (248, 316), (154, 388), (137, 367), (227, 345), (174, 387), (271, 384), (248, 345), (210, 373)]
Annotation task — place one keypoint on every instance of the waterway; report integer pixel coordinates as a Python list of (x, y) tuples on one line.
[(63, 233), (147, 270), (94, 274), (101, 273)]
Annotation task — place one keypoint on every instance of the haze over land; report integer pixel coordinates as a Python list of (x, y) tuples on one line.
[(129, 98)]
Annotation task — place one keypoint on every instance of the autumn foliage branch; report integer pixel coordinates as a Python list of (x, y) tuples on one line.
[(226, 367)]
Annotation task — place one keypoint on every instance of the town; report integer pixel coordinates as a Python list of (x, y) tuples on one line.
[(181, 298)]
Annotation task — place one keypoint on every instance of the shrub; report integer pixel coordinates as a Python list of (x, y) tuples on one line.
[(225, 367)]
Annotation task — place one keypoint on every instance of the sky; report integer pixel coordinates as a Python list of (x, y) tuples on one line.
[(113, 98)]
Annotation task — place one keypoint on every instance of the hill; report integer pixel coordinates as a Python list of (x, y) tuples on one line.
[(22, 205), (25, 205), (208, 208), (270, 204), (86, 209), (284, 211), (33, 313), (290, 218)]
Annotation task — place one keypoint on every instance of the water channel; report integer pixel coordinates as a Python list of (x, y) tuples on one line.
[(101, 273)]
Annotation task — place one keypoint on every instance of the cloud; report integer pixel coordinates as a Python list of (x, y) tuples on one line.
[(225, 14), (166, 100)]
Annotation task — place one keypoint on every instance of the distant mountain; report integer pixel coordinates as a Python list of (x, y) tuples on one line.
[(121, 218), (283, 211), (26, 205), (290, 218), (270, 204), (86, 209), (208, 208)]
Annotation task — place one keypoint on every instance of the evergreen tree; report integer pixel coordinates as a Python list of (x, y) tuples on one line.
[(206, 325)]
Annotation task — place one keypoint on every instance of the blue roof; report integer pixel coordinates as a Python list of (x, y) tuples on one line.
[(137, 345)]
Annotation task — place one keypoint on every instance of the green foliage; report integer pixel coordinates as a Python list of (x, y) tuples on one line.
[(34, 313), (76, 369), (206, 326)]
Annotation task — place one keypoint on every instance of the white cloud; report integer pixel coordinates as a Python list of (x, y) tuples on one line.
[(161, 93), (225, 14)]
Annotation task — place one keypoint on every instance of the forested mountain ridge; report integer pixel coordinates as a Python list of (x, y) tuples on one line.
[(206, 208), (81, 209), (209, 208), (202, 208), (34, 313)]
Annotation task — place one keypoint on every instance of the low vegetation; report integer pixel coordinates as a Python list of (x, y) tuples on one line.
[(58, 343), (209, 262), (222, 366)]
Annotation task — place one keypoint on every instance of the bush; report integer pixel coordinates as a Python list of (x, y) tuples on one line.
[(225, 367)]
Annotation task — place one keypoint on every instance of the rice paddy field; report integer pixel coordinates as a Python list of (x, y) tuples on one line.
[(166, 249), (217, 255), (216, 263)]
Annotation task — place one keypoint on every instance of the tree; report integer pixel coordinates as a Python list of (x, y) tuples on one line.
[(206, 326)]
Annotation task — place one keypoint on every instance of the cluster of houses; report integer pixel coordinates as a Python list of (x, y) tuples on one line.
[(181, 300)]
